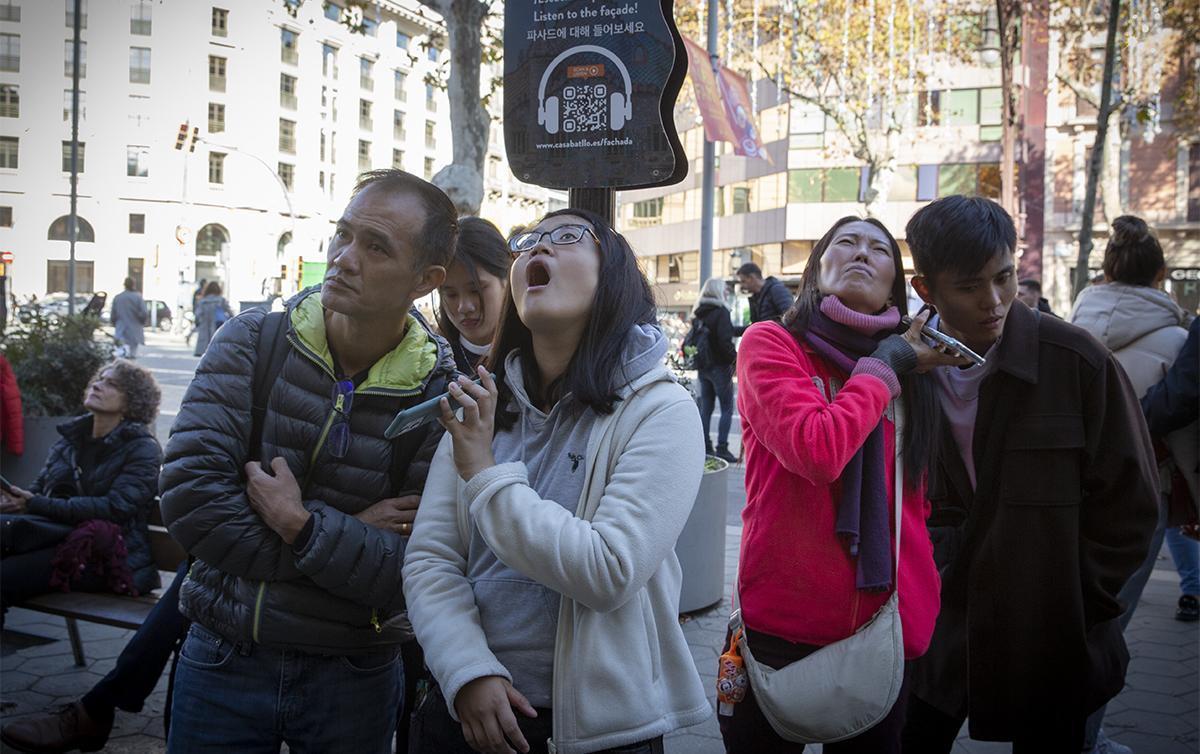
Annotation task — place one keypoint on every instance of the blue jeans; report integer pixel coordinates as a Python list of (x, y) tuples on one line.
[(247, 698), (1185, 551), (716, 384)]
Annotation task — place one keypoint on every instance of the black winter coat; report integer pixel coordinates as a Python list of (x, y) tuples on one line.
[(1028, 639), (340, 591), (771, 302), (119, 488), (720, 333)]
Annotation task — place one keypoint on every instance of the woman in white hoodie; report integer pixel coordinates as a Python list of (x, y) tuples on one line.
[(541, 577), (1144, 329)]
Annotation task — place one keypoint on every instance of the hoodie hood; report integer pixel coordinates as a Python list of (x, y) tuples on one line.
[(1118, 314), (642, 362)]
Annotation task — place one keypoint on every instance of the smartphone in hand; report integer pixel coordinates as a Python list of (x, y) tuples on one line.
[(422, 413), (942, 339)]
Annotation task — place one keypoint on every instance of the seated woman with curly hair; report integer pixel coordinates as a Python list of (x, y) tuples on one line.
[(83, 523)]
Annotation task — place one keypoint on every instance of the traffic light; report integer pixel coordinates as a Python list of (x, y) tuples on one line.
[(181, 139), (195, 136)]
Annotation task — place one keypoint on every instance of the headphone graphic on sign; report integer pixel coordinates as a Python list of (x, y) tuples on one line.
[(621, 108)]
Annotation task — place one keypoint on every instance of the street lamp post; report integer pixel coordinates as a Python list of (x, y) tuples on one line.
[(73, 218)]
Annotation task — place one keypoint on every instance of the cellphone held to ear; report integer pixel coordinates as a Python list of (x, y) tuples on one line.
[(422, 413), (941, 338)]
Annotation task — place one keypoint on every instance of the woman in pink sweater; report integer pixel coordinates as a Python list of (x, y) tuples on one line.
[(814, 396)]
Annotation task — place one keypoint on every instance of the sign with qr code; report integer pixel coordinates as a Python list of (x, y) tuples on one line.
[(589, 93)]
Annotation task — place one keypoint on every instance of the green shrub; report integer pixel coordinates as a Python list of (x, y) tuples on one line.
[(53, 359)]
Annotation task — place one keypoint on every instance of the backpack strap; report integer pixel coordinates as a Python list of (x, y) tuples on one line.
[(272, 351)]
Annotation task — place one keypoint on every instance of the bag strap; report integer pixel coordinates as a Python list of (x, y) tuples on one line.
[(272, 351), (735, 619)]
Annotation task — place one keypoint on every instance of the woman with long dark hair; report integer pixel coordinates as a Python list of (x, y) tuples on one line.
[(472, 298), (211, 312), (816, 396), (541, 576)]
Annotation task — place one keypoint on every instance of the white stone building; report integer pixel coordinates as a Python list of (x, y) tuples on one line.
[(288, 109)]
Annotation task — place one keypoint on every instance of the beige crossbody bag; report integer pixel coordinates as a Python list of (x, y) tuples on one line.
[(846, 687)]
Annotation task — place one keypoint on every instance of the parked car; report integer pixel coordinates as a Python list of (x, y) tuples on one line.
[(52, 305)]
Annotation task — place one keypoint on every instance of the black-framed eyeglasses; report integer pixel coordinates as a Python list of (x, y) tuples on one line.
[(338, 441), (563, 235)]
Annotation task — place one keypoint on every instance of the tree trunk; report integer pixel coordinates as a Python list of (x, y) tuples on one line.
[(1008, 12), (462, 180), (1110, 172), (883, 171), (1093, 174)]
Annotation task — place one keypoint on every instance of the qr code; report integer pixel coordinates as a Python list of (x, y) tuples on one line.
[(585, 108)]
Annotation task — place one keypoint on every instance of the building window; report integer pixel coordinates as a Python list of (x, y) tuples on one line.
[(69, 59), (137, 161), (10, 11), (398, 125), (216, 117), (364, 155), (741, 200), (8, 152), (321, 178), (430, 98), (216, 167), (333, 11), (648, 212), (428, 168), (10, 52), (401, 92), (364, 115), (216, 73), (329, 60), (402, 40), (929, 108), (287, 91), (287, 173), (6, 215), (288, 46), (139, 65), (66, 157), (432, 54), (60, 230), (140, 18), (332, 148), (57, 272), (366, 73), (220, 22), (430, 138), (398, 159), (137, 224), (71, 14), (322, 146), (10, 101), (370, 27), (287, 136), (67, 104)]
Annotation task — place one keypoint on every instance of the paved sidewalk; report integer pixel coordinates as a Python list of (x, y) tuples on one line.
[(1155, 714)]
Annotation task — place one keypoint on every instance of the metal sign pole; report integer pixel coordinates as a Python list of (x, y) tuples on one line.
[(73, 220)]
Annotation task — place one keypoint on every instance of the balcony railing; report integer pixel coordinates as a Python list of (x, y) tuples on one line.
[(216, 83), (287, 101), (366, 123), (289, 55)]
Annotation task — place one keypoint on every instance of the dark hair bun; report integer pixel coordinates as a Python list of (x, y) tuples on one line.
[(1133, 256)]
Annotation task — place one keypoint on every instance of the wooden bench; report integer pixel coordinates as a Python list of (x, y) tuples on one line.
[(113, 609)]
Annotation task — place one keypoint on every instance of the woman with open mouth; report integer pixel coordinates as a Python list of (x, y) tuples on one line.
[(541, 576), (471, 299)]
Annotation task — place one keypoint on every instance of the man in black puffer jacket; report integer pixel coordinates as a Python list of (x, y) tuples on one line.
[(295, 595)]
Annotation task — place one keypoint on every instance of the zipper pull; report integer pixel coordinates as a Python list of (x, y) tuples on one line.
[(341, 401), (375, 620)]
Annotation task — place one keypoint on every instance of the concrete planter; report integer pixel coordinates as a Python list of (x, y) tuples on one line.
[(701, 546), (40, 433)]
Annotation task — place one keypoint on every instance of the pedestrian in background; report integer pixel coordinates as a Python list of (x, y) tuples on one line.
[(211, 312), (12, 420), (1043, 492), (1143, 328), (472, 298), (716, 373), (816, 396), (769, 298), (129, 319), (541, 577), (1029, 291)]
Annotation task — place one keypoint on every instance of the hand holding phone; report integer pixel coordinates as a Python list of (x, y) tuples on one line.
[(422, 413), (947, 343)]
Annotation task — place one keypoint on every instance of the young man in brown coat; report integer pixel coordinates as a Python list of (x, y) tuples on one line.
[(1044, 500)]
